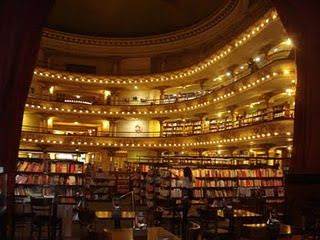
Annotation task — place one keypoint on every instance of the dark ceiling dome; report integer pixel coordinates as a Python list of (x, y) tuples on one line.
[(129, 18)]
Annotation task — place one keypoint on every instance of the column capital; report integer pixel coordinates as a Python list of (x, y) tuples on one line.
[(162, 88), (160, 119), (200, 115)]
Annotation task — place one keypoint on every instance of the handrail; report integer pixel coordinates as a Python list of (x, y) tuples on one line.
[(186, 158), (142, 102), (249, 121), (220, 162)]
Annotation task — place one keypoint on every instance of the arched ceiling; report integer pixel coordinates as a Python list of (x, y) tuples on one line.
[(128, 18)]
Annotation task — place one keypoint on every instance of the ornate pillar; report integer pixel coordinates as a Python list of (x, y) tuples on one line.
[(233, 115), (201, 117), (161, 95), (266, 98), (113, 127)]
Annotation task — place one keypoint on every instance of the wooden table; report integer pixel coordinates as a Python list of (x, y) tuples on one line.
[(154, 233), (260, 231), (240, 216), (240, 213), (108, 215)]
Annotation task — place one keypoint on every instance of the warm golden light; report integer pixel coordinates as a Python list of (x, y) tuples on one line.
[(51, 90)]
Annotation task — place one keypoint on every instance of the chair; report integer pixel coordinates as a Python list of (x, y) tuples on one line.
[(20, 217), (56, 223), (41, 209), (95, 235), (193, 231), (86, 219), (209, 217)]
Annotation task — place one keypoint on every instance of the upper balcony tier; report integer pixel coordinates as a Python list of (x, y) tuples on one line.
[(266, 32), (274, 77), (187, 32), (273, 132)]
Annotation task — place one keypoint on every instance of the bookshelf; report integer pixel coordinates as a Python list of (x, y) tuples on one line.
[(153, 182), (220, 124), (102, 186), (165, 184), (42, 176), (181, 128), (123, 183), (218, 184)]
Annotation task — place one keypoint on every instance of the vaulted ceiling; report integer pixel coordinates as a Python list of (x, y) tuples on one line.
[(129, 18)]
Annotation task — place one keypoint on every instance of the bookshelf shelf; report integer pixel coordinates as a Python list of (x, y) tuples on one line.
[(223, 184), (35, 176)]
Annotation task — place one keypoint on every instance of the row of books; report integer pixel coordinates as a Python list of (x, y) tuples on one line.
[(220, 193), (63, 167), (236, 173), (100, 197), (33, 191), (104, 183), (101, 190), (53, 167), (269, 192), (260, 183), (30, 166), (165, 183), (218, 183), (176, 183), (49, 180), (28, 191), (66, 192)]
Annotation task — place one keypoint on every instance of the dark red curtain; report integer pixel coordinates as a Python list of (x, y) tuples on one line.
[(301, 20), (21, 23)]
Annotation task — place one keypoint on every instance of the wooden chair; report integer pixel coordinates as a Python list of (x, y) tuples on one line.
[(193, 231), (41, 209), (86, 218), (209, 224), (95, 235), (56, 223), (20, 218)]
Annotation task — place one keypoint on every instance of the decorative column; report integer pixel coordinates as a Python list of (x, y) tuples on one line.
[(113, 126), (231, 149), (161, 95), (201, 117), (266, 98), (233, 115), (114, 98), (161, 120)]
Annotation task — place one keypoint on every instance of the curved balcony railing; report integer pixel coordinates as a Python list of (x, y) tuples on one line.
[(217, 161), (241, 123), (170, 99)]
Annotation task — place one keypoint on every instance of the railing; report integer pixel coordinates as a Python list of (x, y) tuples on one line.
[(208, 162), (185, 97), (249, 121)]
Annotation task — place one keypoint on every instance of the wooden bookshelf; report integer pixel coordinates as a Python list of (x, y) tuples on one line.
[(219, 185), (36, 176)]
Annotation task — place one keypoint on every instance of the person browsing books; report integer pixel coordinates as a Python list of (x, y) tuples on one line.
[(187, 195)]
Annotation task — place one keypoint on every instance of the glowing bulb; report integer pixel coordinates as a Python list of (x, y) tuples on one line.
[(289, 42)]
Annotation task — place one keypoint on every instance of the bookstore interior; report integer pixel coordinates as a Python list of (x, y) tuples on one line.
[(159, 120)]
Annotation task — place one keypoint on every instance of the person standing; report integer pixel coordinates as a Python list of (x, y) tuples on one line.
[(187, 195)]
